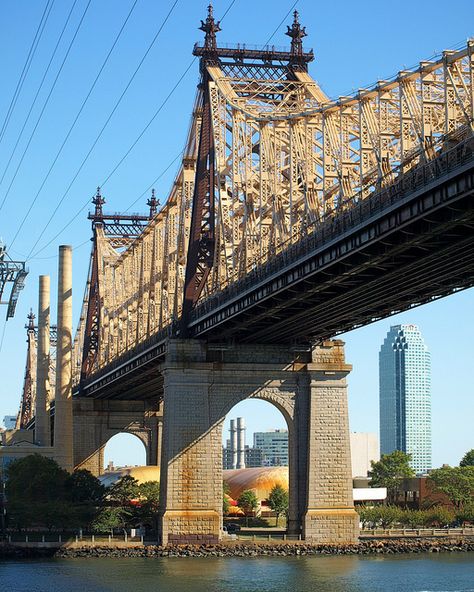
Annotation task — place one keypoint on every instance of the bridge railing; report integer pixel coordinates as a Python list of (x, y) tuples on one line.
[(352, 212)]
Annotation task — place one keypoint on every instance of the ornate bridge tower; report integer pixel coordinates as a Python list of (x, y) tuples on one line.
[(203, 381)]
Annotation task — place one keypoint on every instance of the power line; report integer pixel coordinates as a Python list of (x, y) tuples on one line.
[(86, 158), (46, 102), (281, 23), (3, 335), (84, 206), (72, 127), (152, 184), (26, 66), (38, 91)]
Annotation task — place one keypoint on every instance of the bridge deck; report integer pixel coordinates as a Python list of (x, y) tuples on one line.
[(406, 245)]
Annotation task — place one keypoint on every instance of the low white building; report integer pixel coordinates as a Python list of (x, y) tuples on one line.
[(364, 449)]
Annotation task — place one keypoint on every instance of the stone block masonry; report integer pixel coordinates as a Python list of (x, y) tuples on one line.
[(202, 384)]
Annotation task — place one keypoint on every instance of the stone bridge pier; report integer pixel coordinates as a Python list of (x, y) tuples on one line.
[(96, 421), (202, 383)]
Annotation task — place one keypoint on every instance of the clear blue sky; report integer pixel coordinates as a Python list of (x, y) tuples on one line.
[(355, 44)]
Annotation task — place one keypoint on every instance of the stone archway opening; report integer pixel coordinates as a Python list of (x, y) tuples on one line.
[(124, 450), (256, 442)]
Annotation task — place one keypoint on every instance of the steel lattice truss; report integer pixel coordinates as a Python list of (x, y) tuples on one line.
[(268, 157), (28, 398), (13, 272)]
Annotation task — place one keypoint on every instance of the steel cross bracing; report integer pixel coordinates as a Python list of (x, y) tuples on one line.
[(269, 159), (28, 398), (13, 272)]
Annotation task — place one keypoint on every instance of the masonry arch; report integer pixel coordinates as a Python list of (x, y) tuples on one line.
[(125, 448)]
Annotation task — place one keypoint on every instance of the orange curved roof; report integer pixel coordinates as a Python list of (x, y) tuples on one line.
[(141, 474), (259, 479)]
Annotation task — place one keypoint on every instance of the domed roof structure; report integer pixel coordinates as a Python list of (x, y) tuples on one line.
[(141, 474), (259, 479)]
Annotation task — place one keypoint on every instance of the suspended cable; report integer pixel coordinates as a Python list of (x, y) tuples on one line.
[(3, 335), (86, 204), (152, 184), (38, 91), (26, 66), (46, 102), (281, 22), (70, 131), (99, 135)]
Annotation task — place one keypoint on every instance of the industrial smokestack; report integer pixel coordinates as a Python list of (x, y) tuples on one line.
[(42, 426), (63, 396), (233, 443), (240, 443)]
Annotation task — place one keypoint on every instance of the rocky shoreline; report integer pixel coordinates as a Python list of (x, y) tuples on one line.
[(373, 547)]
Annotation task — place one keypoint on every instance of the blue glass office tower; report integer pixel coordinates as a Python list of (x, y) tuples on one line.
[(405, 395)]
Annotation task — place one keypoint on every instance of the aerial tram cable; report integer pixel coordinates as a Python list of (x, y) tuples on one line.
[(46, 103), (111, 114), (73, 125), (38, 91), (86, 204), (26, 65)]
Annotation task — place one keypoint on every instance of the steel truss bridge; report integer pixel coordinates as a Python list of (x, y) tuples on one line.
[(293, 217)]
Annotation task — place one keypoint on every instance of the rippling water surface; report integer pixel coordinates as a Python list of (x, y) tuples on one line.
[(427, 573)]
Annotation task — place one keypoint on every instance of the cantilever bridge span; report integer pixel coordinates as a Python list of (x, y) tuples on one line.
[(293, 218)]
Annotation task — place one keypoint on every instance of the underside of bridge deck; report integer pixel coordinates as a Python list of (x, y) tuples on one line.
[(417, 250)]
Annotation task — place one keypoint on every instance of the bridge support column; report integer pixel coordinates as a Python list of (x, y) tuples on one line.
[(191, 467), (202, 383), (329, 515), (97, 421)]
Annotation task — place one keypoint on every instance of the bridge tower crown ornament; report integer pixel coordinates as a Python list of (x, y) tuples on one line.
[(98, 202), (296, 32), (31, 321), (210, 27), (153, 204)]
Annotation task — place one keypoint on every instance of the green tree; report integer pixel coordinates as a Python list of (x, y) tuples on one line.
[(413, 518), (278, 501), (468, 459), (35, 478), (248, 503), (124, 491), (225, 498), (439, 516), (466, 514), (379, 516), (457, 483), (368, 516), (83, 487), (37, 494), (390, 471), (109, 518), (149, 493)]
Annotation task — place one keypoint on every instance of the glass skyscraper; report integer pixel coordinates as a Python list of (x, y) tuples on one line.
[(405, 395)]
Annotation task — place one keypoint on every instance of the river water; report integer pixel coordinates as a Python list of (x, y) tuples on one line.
[(403, 573)]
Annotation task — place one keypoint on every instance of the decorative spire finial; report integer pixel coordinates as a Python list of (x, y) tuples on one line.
[(210, 27), (98, 201), (31, 320), (153, 203), (296, 32)]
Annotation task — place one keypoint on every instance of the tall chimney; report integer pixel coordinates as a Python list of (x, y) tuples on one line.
[(63, 398), (233, 443), (240, 443), (42, 424)]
